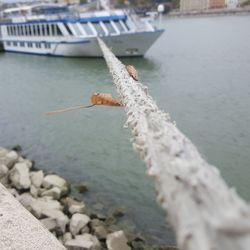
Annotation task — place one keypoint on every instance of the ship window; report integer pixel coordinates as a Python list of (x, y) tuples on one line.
[(25, 30), (87, 28), (30, 30), (30, 45), (77, 29), (21, 30), (119, 26), (58, 31), (125, 23), (43, 30), (109, 27), (53, 29), (22, 44), (68, 29), (35, 30), (15, 43), (40, 29), (47, 45), (50, 31), (18, 30), (38, 45), (8, 43), (47, 29), (99, 29)]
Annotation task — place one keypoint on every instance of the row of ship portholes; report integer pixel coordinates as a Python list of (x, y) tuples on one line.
[(37, 45)]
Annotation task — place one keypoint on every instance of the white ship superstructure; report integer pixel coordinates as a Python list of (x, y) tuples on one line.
[(53, 30)]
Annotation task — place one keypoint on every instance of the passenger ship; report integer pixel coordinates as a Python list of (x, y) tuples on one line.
[(51, 29)]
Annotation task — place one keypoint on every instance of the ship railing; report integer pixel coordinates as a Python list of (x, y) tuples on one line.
[(204, 212)]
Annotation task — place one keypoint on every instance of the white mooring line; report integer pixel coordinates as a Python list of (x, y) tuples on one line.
[(204, 212)]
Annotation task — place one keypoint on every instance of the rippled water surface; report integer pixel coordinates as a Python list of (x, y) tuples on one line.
[(199, 71)]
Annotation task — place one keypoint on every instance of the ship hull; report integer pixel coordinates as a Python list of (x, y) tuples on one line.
[(131, 44)]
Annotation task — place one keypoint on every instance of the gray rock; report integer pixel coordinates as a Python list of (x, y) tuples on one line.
[(85, 230), (9, 158), (77, 208), (26, 200), (74, 206), (34, 191), (139, 245), (14, 192), (41, 205), (50, 181), (77, 222), (118, 212), (54, 192), (83, 242), (117, 241), (49, 223), (3, 174), (100, 232), (19, 176), (67, 236), (82, 187), (37, 178), (61, 219), (96, 222)]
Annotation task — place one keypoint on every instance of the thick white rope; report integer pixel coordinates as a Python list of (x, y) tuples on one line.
[(204, 212)]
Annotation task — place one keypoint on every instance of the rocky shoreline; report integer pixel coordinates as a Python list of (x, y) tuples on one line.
[(47, 197)]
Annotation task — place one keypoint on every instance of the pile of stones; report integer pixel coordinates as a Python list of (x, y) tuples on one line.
[(47, 197)]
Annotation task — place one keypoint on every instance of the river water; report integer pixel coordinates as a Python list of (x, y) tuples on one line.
[(199, 71)]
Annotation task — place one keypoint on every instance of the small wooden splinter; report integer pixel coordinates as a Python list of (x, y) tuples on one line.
[(105, 99)]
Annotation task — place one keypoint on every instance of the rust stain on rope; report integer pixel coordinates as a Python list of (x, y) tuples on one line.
[(204, 212)]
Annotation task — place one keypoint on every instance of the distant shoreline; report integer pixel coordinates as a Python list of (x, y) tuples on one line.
[(213, 12)]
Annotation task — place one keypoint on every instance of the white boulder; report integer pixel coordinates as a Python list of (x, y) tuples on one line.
[(49, 223), (3, 174), (74, 206), (36, 178), (67, 236), (117, 241), (61, 219), (77, 222), (8, 158), (77, 208), (27, 162), (19, 176), (34, 191), (3, 152), (54, 192), (50, 181), (83, 242), (26, 200), (41, 205)]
